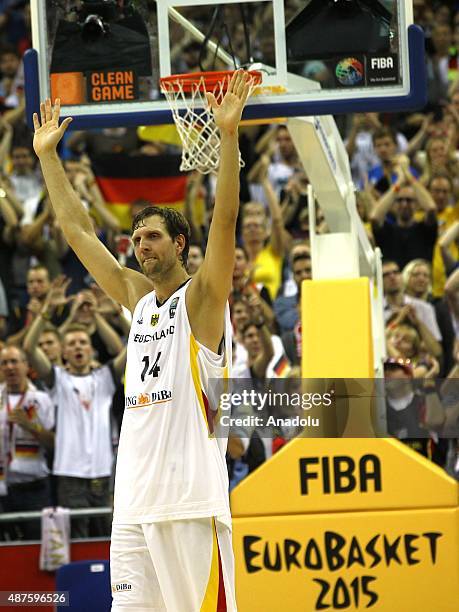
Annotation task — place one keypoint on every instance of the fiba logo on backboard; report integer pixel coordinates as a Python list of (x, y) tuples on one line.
[(382, 69), (350, 72)]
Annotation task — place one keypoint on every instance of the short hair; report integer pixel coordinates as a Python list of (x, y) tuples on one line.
[(49, 328), (441, 175), (250, 213), (294, 251), (386, 262), (240, 247), (384, 132), (76, 327), (300, 256), (38, 267), (247, 326), (174, 222), (18, 348)]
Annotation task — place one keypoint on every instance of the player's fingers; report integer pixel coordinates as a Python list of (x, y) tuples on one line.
[(233, 84), (241, 83), (247, 90), (48, 110), (211, 100), (65, 124), (42, 113), (230, 83), (36, 123), (56, 109)]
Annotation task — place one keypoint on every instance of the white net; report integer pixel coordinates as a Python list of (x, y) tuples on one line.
[(196, 124)]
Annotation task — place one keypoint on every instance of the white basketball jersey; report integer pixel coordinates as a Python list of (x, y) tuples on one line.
[(170, 465)]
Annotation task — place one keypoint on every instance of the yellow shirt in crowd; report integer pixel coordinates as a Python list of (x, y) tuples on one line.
[(268, 270), (446, 218)]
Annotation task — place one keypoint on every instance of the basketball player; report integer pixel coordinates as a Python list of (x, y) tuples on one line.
[(171, 539)]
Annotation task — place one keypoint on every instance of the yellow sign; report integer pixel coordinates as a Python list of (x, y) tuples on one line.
[(346, 524), (401, 561), (319, 475)]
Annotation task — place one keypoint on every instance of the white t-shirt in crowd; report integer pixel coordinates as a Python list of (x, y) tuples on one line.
[(28, 461), (83, 423)]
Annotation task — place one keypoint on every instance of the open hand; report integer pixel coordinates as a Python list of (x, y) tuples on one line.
[(56, 295), (48, 132), (228, 112)]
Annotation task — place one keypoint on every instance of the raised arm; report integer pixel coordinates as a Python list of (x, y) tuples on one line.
[(124, 285), (212, 284), (37, 358), (9, 216), (280, 238), (425, 200), (384, 204), (452, 283)]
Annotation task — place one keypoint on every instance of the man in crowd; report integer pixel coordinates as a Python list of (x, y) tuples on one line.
[(24, 177), (286, 308), (83, 460), (38, 286), (26, 423), (405, 239)]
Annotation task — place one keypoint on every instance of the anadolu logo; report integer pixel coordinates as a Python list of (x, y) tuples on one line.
[(349, 71)]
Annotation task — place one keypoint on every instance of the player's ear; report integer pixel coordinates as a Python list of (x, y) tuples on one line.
[(179, 244)]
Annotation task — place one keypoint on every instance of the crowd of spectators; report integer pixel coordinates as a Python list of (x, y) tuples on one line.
[(62, 339)]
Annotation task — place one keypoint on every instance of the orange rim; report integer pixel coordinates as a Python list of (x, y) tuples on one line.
[(205, 81)]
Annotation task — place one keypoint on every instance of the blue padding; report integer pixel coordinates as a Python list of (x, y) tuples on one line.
[(32, 85), (416, 98), (89, 591)]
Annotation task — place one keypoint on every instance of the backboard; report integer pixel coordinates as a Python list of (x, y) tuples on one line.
[(104, 58)]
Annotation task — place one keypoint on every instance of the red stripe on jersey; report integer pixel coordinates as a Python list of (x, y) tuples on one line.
[(221, 601), (210, 415)]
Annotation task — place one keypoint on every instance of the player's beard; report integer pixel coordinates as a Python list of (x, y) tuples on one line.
[(158, 268)]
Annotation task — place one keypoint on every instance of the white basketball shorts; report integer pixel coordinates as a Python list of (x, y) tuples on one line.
[(173, 566)]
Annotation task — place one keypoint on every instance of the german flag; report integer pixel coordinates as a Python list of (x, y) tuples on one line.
[(123, 179), (282, 367)]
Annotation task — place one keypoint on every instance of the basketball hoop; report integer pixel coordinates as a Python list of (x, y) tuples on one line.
[(193, 117)]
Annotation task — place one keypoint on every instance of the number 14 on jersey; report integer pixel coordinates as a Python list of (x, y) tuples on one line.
[(150, 371)]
